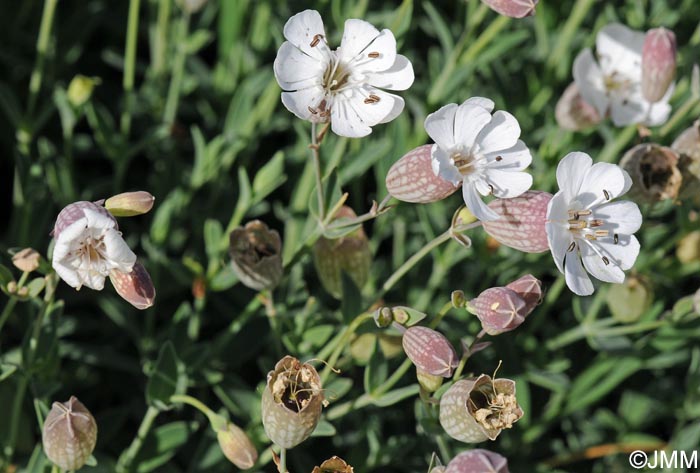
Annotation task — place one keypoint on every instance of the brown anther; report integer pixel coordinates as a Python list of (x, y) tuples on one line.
[(313, 111), (373, 55), (590, 237), (571, 246), (602, 233), (577, 224), (372, 99), (606, 194), (606, 260), (596, 223), (490, 189), (616, 239), (316, 40), (499, 158)]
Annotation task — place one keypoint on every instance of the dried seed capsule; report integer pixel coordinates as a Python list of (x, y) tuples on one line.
[(430, 351), (658, 63), (412, 179), (69, 435), (478, 461), (687, 144), (128, 204), (236, 446), (654, 172), (474, 410), (333, 465), (522, 222), (135, 287), (256, 255), (291, 402)]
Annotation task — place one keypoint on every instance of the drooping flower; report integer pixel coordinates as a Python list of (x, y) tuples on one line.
[(583, 225), (89, 246), (613, 82), (480, 151), (345, 85)]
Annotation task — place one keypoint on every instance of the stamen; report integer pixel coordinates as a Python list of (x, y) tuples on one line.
[(372, 99), (606, 194), (606, 260), (316, 40), (577, 224), (590, 237), (602, 233), (571, 247), (499, 158), (490, 189), (596, 223), (373, 54), (616, 239)]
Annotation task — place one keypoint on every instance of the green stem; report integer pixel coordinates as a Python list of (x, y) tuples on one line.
[(578, 13), (488, 35), (9, 307), (132, 29), (613, 149), (196, 403), (161, 39), (340, 343), (317, 172), (42, 46), (126, 458), (443, 311), (178, 71), (466, 355), (678, 116), (283, 460)]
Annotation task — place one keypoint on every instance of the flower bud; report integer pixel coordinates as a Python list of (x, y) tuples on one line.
[(522, 222), (499, 309), (135, 287), (573, 113), (478, 461), (26, 260), (128, 204), (333, 465), (256, 255), (74, 212), (291, 402), (474, 410), (687, 144), (688, 249), (412, 179), (236, 446), (529, 288), (80, 89), (658, 63), (654, 172), (458, 299), (512, 8), (383, 317), (630, 300), (430, 351), (350, 254), (429, 382), (69, 435)]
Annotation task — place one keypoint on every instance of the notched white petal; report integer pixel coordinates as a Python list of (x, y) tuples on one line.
[(475, 205), (440, 126), (399, 76), (303, 29), (502, 132)]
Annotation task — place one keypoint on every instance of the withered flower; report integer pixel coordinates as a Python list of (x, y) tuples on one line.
[(687, 144), (27, 260), (69, 435), (654, 172), (291, 402), (474, 410), (333, 465), (256, 255)]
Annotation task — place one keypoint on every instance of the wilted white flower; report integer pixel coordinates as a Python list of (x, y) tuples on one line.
[(613, 83), (89, 246), (582, 223), (480, 151), (343, 86)]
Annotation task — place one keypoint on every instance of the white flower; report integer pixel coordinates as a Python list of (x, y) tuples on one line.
[(89, 246), (479, 151), (613, 83), (342, 86), (583, 224)]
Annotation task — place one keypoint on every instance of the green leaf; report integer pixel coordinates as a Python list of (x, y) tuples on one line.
[(351, 300), (168, 378), (337, 388), (397, 395), (213, 236), (162, 444), (269, 177), (36, 286), (5, 275), (376, 370), (324, 429), (600, 379)]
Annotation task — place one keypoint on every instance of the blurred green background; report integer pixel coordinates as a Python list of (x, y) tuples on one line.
[(201, 126)]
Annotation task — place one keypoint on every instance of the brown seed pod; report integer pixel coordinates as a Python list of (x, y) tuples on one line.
[(333, 465), (256, 255), (411, 178), (522, 222), (69, 435), (654, 172)]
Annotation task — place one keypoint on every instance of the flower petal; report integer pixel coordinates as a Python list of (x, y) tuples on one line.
[(601, 183), (117, 252), (98, 221), (399, 76), (481, 102), (68, 274), (570, 173), (295, 70), (619, 48), (660, 111), (502, 132), (558, 235), (508, 184), (576, 277), (440, 126), (623, 253), (475, 205), (628, 109), (302, 28), (346, 119), (622, 217), (299, 102), (589, 80), (358, 34), (443, 167), (470, 119), (595, 265), (374, 111), (396, 110), (377, 56), (516, 158), (68, 238)]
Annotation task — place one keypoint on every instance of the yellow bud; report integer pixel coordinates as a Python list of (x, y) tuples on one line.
[(80, 89)]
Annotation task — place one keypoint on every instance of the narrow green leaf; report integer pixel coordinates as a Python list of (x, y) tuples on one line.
[(168, 378)]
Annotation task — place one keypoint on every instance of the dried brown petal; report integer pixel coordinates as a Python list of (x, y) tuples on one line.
[(69, 435), (135, 287), (430, 351), (522, 222), (256, 255), (333, 465), (412, 179)]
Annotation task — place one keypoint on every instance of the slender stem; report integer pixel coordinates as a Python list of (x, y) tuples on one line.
[(132, 29), (678, 116), (161, 39), (490, 33), (196, 403), (9, 307), (42, 47), (127, 457), (317, 171), (341, 342), (283, 460), (178, 71), (466, 355), (443, 311)]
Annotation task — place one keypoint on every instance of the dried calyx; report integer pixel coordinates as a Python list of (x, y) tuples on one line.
[(295, 386), (492, 408)]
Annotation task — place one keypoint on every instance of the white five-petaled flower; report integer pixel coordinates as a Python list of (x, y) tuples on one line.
[(480, 151), (343, 86), (89, 246), (613, 84), (584, 225)]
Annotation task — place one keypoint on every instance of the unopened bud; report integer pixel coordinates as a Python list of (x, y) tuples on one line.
[(529, 288), (236, 446), (350, 254), (573, 112), (522, 222), (383, 317), (474, 410), (658, 63), (80, 89), (256, 255), (630, 300), (412, 179), (478, 461), (512, 8), (688, 249), (291, 402), (654, 172), (333, 465), (135, 287), (429, 382), (129, 204), (26, 260), (69, 435), (430, 351), (499, 309), (458, 299)]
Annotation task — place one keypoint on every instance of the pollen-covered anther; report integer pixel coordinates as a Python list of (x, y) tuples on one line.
[(372, 99), (373, 55), (316, 39)]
